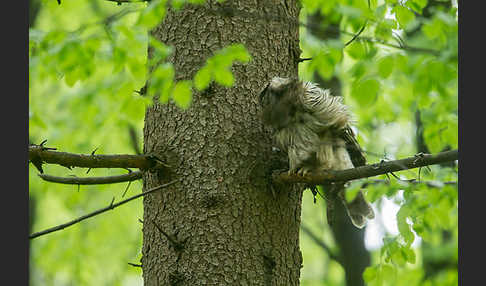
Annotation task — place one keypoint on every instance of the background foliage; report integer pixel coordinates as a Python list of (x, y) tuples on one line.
[(88, 58)]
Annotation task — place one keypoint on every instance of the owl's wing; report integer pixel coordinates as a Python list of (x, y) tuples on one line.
[(353, 148)]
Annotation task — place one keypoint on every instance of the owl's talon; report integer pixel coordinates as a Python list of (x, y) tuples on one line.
[(303, 172)]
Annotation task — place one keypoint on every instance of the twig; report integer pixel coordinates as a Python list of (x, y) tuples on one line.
[(303, 59), (381, 42), (93, 180), (134, 265), (177, 245), (368, 170), (360, 30), (357, 34), (128, 186), (143, 162), (102, 210)]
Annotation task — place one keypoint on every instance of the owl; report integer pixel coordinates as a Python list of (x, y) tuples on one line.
[(313, 128)]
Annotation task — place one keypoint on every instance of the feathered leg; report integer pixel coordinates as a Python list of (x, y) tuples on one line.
[(358, 210)]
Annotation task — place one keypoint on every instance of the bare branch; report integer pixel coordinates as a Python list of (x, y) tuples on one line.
[(132, 176), (419, 160), (144, 162), (134, 264), (100, 211), (357, 34)]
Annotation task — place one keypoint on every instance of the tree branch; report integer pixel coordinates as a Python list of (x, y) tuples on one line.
[(419, 160), (378, 41), (132, 176), (38, 153), (100, 211)]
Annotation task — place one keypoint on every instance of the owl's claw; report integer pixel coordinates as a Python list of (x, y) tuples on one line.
[(303, 171)]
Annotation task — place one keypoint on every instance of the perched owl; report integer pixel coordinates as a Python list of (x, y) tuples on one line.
[(313, 127)]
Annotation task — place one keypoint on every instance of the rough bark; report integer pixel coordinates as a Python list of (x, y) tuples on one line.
[(225, 225)]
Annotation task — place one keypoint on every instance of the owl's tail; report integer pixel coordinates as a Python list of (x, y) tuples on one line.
[(358, 210)]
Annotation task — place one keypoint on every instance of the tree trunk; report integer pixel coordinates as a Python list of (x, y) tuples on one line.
[(225, 226)]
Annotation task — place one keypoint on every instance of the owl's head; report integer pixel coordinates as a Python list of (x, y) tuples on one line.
[(274, 89), (279, 100)]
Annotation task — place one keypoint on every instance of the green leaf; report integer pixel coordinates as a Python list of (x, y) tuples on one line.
[(238, 52), (224, 77), (218, 66), (370, 274), (365, 91), (160, 50), (380, 11), (161, 82), (182, 94), (153, 14), (403, 226), (385, 66), (416, 5), (435, 30), (356, 50), (384, 28), (409, 254), (388, 273), (202, 78), (72, 77), (322, 65), (35, 120), (403, 15)]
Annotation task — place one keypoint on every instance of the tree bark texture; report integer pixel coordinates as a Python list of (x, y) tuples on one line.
[(222, 224)]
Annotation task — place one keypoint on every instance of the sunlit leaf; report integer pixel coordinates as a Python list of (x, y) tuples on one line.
[(404, 16), (369, 274), (385, 66), (365, 91), (182, 94)]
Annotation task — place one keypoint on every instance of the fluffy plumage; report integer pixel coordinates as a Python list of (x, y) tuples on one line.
[(313, 127)]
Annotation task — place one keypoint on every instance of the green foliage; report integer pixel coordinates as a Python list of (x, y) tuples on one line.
[(404, 15), (182, 94), (401, 62), (365, 91), (153, 14), (218, 66)]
